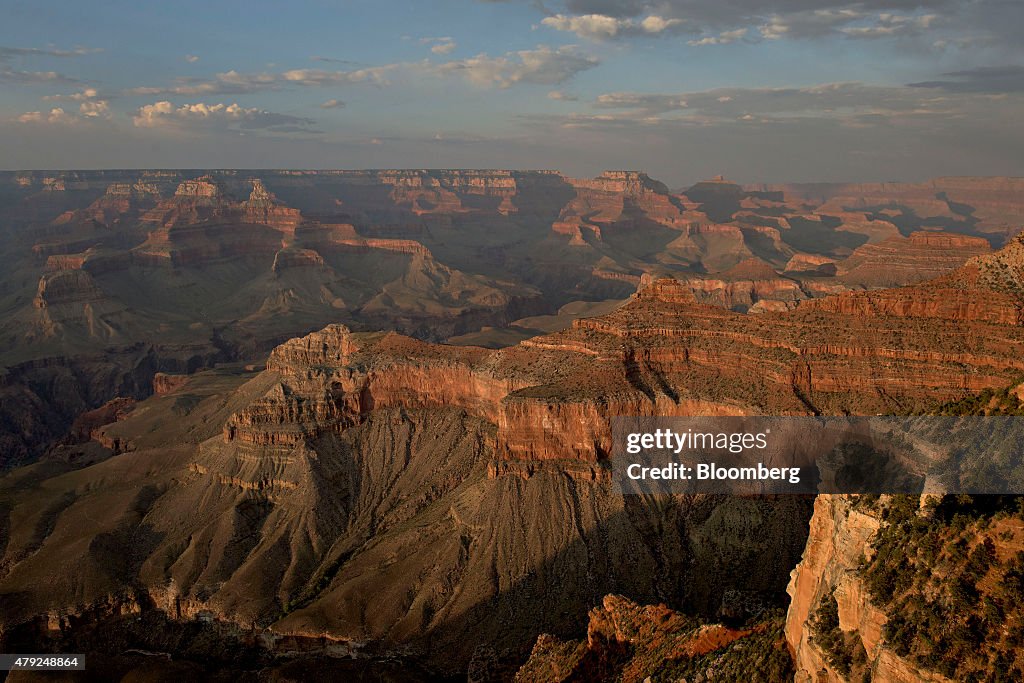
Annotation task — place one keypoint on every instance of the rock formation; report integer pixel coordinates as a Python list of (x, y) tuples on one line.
[(909, 260), (629, 643), (369, 492)]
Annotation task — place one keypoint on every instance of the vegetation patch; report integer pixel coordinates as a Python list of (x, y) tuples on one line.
[(951, 577)]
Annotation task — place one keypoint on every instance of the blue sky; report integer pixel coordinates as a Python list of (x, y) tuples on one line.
[(765, 90)]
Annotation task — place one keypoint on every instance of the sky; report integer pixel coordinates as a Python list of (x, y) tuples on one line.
[(757, 90)]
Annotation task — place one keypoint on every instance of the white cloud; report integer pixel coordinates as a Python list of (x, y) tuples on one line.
[(81, 96), (191, 59), (89, 108), (723, 38), (892, 25), (164, 114), (603, 27), (237, 83), (561, 96), (440, 46), (317, 77), (543, 65), (332, 104), (94, 109), (55, 115), (228, 82), (91, 105), (808, 23)]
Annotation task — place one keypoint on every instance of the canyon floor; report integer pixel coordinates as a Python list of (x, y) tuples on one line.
[(266, 425)]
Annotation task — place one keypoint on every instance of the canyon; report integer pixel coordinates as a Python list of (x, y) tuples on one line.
[(365, 415)]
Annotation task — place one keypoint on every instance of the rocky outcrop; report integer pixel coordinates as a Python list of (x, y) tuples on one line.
[(839, 540), (909, 260), (94, 261), (165, 383), (263, 208), (363, 245), (205, 199), (204, 188), (66, 287), (631, 643), (626, 198), (577, 230), (746, 284), (811, 263), (87, 425), (293, 257), (121, 202), (838, 537)]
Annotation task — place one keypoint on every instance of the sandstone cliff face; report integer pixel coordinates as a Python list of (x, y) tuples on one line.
[(746, 284), (264, 209), (662, 353), (812, 263), (904, 261), (839, 538)]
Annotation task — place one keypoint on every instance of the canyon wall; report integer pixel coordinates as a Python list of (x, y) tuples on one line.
[(839, 540)]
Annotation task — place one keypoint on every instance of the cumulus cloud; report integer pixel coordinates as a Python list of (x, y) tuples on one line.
[(440, 46), (91, 104), (318, 77), (56, 115), (164, 114), (543, 65), (604, 27), (332, 104), (191, 59), (80, 96), (91, 107), (723, 38), (94, 109)]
